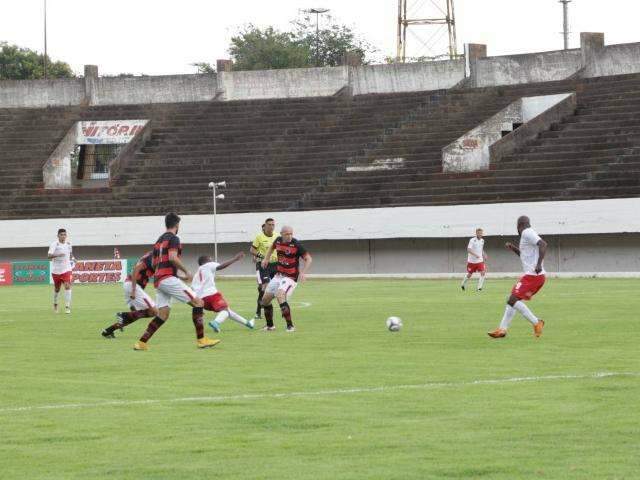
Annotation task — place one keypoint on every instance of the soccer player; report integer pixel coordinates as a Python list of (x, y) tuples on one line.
[(61, 255), (282, 285), (258, 249), (140, 303), (475, 259), (204, 284), (531, 251), (166, 264)]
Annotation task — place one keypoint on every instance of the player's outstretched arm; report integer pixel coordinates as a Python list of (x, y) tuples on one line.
[(238, 256), (513, 248), (134, 276), (542, 251), (308, 260), (267, 256)]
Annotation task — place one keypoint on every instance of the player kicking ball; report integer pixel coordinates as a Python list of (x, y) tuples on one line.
[(531, 251), (139, 302), (476, 259), (204, 285)]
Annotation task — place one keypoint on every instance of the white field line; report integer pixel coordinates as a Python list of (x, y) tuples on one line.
[(317, 393)]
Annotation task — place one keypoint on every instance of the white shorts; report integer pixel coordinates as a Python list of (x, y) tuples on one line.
[(170, 288), (281, 282), (142, 300)]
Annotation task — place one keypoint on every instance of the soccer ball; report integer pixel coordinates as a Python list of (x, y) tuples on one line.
[(394, 324)]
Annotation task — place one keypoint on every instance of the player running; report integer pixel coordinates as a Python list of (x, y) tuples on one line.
[(61, 256), (166, 264), (282, 285), (204, 284), (258, 249), (531, 251), (475, 259), (140, 303)]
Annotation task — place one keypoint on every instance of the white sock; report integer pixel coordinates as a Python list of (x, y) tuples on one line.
[(67, 298), (238, 318), (55, 297), (464, 281), (526, 313), (509, 312), (222, 316), (481, 282)]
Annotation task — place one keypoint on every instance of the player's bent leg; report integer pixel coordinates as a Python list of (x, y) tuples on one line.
[(240, 319), (285, 309)]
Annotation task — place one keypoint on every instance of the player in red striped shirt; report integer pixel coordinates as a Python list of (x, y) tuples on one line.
[(282, 285), (169, 285)]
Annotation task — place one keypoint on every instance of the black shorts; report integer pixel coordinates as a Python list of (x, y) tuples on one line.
[(264, 275)]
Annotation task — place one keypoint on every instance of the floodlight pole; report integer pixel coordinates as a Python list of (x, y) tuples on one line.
[(213, 186), (318, 12), (45, 39), (565, 22)]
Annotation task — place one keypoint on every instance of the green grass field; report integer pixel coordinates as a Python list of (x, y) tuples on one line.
[(341, 398)]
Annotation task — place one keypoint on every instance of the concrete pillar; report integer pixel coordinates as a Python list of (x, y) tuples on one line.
[(472, 53), (90, 84), (224, 65), (351, 59), (590, 45)]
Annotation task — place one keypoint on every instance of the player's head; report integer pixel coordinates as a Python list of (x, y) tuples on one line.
[(479, 232), (269, 226), (62, 235), (202, 259), (171, 221), (286, 232), (523, 223)]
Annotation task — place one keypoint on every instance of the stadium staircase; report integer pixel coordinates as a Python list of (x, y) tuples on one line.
[(332, 152)]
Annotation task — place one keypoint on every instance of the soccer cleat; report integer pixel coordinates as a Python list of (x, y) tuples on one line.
[(251, 324), (257, 317), (462, 287), (480, 289), (498, 333), (107, 334), (139, 345), (215, 325), (537, 328), (291, 329), (67, 310), (267, 328), (55, 308), (205, 342)]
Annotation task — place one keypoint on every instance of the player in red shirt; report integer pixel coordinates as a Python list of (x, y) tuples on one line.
[(140, 303), (282, 285), (166, 264)]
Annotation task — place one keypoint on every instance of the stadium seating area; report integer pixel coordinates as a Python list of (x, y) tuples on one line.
[(293, 154)]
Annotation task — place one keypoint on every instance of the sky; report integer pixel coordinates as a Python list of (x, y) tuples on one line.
[(158, 37)]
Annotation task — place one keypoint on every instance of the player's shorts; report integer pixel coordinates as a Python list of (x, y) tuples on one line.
[(528, 286), (170, 288), (475, 267), (264, 275), (215, 302), (60, 278), (281, 282), (142, 301)]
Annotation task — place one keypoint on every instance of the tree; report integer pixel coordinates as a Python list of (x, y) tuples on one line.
[(256, 49), (23, 64), (204, 67), (253, 48)]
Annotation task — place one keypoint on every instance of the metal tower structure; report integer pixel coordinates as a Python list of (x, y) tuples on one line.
[(435, 17), (565, 22)]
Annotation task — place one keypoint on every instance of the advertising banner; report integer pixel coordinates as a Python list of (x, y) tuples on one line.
[(31, 273), (108, 132), (100, 271), (6, 274)]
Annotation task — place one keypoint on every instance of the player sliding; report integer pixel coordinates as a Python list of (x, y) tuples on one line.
[(140, 303), (61, 255), (166, 264), (475, 259), (289, 251), (531, 252), (204, 284)]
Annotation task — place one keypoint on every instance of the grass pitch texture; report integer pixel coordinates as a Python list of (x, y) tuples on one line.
[(341, 398)]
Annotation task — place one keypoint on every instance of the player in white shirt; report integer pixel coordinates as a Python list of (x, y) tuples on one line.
[(62, 261), (204, 285), (475, 259), (531, 251)]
